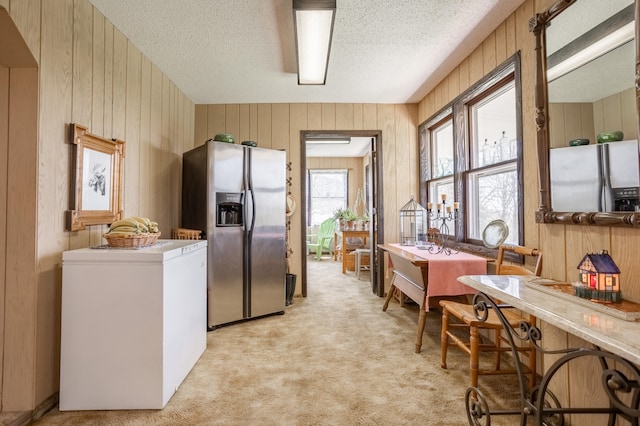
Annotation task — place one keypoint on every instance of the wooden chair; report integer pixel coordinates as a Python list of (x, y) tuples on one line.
[(466, 319), (325, 238), (185, 234)]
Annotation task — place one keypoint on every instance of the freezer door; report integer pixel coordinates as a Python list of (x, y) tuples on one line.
[(623, 164), (576, 179), (266, 220), (225, 262), (194, 188)]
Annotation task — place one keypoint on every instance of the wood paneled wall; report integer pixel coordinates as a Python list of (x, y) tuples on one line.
[(354, 166), (563, 245), (279, 126), (89, 73), (617, 112), (569, 121), (4, 147)]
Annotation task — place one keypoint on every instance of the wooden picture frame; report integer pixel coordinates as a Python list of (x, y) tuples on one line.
[(538, 25), (95, 186)]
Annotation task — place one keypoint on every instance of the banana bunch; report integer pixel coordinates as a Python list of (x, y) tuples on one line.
[(133, 226)]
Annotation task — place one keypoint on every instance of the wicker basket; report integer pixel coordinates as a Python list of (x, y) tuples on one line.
[(350, 261), (127, 241), (185, 234)]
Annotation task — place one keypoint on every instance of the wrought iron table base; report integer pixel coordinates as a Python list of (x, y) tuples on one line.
[(622, 390)]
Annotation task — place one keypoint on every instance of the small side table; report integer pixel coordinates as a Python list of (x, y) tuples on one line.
[(350, 234)]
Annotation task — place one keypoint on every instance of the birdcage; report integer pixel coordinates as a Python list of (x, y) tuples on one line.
[(413, 223)]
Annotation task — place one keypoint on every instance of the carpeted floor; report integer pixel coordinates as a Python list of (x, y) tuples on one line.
[(334, 358)]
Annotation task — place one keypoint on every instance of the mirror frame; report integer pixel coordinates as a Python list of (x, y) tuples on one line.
[(545, 214)]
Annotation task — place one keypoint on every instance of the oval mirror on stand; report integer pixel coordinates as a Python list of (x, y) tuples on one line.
[(495, 233)]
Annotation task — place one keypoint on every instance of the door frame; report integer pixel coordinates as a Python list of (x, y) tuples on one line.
[(377, 197), (22, 281)]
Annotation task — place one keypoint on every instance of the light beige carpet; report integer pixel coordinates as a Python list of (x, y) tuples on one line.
[(334, 358)]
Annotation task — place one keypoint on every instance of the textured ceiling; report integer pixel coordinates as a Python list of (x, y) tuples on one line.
[(609, 74), (242, 51)]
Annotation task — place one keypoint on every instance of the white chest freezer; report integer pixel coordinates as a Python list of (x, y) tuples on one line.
[(134, 323)]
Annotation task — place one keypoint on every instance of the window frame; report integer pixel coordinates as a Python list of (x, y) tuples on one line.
[(310, 196), (426, 152), (499, 87), (476, 101), (442, 119), (459, 109)]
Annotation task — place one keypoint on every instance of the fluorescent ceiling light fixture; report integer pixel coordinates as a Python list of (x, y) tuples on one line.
[(313, 25), (609, 35), (594, 51), (328, 141)]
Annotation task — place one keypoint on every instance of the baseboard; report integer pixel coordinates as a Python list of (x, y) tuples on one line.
[(25, 418), (21, 419), (45, 406)]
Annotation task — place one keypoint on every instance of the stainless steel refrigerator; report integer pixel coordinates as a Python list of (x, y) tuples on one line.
[(236, 194), (595, 178)]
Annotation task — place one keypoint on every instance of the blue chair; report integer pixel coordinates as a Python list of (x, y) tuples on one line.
[(325, 238)]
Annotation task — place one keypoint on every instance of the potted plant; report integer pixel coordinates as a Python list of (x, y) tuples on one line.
[(364, 219), (339, 215), (350, 217)]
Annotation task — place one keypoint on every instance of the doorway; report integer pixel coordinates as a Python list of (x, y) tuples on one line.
[(19, 121), (371, 186)]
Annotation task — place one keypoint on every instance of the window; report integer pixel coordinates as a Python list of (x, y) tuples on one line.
[(492, 181), (327, 192), (441, 171), (442, 148), (483, 128), (437, 189), (493, 127), (493, 194)]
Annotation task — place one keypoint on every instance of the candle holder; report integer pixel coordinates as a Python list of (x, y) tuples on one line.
[(445, 215)]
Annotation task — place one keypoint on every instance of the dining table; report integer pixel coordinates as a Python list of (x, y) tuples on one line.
[(420, 274)]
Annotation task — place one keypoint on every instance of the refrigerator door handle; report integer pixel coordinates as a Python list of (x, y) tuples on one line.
[(606, 200), (250, 199), (601, 183), (252, 210), (249, 218), (248, 209)]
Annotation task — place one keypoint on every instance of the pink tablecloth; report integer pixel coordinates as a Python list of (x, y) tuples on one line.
[(444, 271)]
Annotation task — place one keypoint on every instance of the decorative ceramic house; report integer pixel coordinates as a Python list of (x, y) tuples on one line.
[(599, 278)]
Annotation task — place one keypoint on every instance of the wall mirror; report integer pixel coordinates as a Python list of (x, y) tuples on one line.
[(586, 76)]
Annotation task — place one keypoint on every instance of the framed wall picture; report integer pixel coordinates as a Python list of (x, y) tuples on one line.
[(96, 179)]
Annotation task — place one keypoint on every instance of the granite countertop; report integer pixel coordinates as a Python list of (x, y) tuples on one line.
[(595, 324)]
